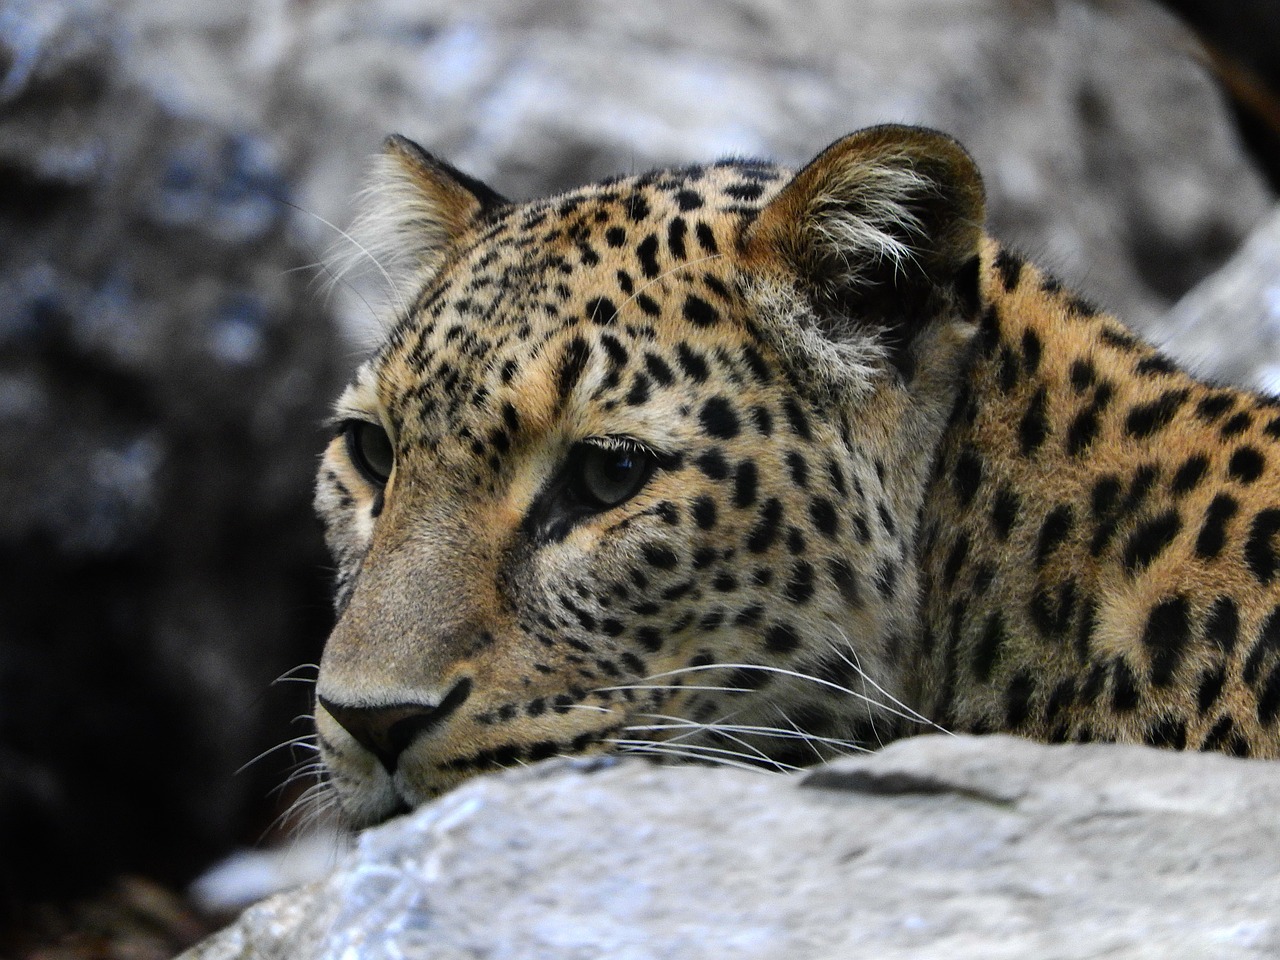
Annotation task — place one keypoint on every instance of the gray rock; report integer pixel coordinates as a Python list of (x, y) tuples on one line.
[(1109, 152), (162, 378), (1228, 327), (935, 847)]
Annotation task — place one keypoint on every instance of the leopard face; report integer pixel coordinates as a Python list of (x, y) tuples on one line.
[(611, 480), (740, 465)]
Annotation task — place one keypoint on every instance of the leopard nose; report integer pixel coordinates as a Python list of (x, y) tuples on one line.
[(386, 731)]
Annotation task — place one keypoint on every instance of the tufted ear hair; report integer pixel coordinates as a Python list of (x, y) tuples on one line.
[(882, 227), (415, 208)]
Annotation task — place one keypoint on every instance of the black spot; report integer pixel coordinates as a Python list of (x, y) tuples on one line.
[(601, 311), (1268, 641), (799, 469), (1149, 540), (675, 237), (637, 207), (781, 638), (1004, 512), (611, 627), (1166, 636), (846, 581), (706, 238), (1154, 365), (1272, 429), (1120, 339), (647, 251), (763, 421), (1189, 474), (1259, 550), (648, 305), (1062, 697), (1083, 375), (1084, 631), (719, 419), (824, 517), (1149, 418), (765, 532), (661, 557), (1035, 423), (1217, 737), (1213, 533), (1093, 684), (1246, 465), (638, 395), (1222, 624), (990, 646), (955, 560), (1008, 373), (700, 313), (712, 463), (1031, 351), (1018, 699), (886, 579), (693, 364), (796, 418), (1124, 687), (615, 236), (1169, 733), (1052, 615), (704, 512), (799, 588), (745, 484), (1210, 688), (658, 370), (968, 475), (576, 353), (1054, 530), (650, 638), (1212, 407), (687, 200), (724, 582), (1235, 426), (1083, 430), (1009, 266), (744, 191), (1269, 698)]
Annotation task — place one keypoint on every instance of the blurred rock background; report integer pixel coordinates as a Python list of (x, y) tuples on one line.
[(169, 170)]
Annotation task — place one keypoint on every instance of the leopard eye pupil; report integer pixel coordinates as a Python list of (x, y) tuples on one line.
[(370, 450), (608, 477)]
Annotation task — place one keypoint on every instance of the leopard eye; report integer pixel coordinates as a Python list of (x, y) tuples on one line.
[(370, 450), (607, 476)]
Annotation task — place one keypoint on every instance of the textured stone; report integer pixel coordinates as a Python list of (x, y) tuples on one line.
[(1228, 327), (935, 847)]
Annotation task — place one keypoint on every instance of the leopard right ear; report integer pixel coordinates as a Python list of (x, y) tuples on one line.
[(415, 210)]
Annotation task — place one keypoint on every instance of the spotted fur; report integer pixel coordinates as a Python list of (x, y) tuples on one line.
[(891, 479)]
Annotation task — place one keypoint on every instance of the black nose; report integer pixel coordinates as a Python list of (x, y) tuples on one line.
[(387, 730)]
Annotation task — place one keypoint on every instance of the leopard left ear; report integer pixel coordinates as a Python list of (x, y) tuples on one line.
[(883, 226), (415, 210)]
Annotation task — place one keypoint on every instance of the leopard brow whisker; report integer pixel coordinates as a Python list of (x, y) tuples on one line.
[(694, 751), (869, 680), (678, 723), (402, 306), (782, 671), (290, 673), (306, 742)]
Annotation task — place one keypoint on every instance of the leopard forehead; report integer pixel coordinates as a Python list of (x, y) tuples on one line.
[(604, 293)]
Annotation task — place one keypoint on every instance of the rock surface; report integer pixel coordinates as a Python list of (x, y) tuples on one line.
[(935, 847), (1229, 326)]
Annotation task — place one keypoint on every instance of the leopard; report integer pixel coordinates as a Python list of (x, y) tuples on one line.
[(733, 463)]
